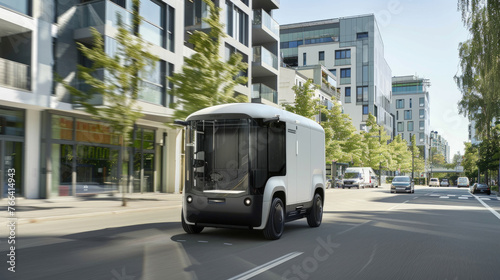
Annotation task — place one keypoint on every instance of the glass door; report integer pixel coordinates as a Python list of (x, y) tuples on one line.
[(11, 153)]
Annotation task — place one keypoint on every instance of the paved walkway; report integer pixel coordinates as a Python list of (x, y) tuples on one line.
[(36, 210)]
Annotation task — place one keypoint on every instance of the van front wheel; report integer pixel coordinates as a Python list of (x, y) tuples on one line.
[(276, 220), (316, 215), (191, 229)]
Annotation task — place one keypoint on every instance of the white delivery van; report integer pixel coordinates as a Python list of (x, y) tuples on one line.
[(463, 182), (252, 166), (359, 177)]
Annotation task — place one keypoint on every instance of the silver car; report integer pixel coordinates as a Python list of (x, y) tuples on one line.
[(402, 184)]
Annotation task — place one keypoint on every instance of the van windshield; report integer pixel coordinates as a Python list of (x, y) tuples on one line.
[(352, 175)]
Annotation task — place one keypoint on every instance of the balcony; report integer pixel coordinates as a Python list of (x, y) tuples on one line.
[(264, 62), (265, 28), (99, 13), (15, 74), (266, 4), (261, 91)]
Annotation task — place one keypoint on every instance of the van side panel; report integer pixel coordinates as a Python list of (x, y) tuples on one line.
[(317, 163), (304, 171), (291, 163)]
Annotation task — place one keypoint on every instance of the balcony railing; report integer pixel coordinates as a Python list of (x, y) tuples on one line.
[(15, 74), (265, 92), (262, 17), (262, 55)]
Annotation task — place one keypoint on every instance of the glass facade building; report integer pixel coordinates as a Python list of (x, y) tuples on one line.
[(352, 49)]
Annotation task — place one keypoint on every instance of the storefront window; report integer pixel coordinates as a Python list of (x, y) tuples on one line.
[(11, 122), (62, 128)]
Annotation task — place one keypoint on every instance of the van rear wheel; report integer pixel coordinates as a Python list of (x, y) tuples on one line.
[(276, 221), (316, 215)]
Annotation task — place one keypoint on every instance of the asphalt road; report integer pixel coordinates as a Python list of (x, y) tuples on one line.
[(435, 233)]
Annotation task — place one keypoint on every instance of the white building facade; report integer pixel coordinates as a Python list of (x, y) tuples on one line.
[(59, 150)]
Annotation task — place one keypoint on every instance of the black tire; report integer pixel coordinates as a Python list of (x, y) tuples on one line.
[(190, 228), (276, 220), (316, 215)]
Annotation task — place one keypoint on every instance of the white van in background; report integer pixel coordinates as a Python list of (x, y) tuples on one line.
[(359, 177), (463, 182)]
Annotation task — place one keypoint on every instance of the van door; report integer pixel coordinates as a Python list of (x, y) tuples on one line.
[(291, 163), (304, 176)]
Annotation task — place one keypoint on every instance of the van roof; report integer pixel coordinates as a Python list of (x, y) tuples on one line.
[(254, 111)]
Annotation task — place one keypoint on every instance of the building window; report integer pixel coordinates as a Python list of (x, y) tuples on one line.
[(170, 29), (365, 110), (400, 127), (421, 113), (304, 59), (410, 126), (421, 137), (321, 56), (410, 103), (237, 23), (362, 35), (334, 72), (397, 115), (421, 101), (341, 54), (421, 125), (400, 103), (362, 94), (345, 73), (407, 114), (348, 95)]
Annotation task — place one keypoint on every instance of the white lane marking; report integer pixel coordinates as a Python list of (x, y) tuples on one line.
[(466, 195), (349, 229), (443, 197), (202, 241), (485, 198), (463, 197), (435, 195), (259, 269), (228, 244), (397, 205), (488, 207), (451, 195), (415, 198)]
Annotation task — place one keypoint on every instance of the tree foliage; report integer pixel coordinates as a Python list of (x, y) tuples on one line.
[(305, 103), (376, 139), (206, 79), (479, 80)]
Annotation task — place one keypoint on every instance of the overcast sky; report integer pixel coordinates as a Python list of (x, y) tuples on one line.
[(420, 37)]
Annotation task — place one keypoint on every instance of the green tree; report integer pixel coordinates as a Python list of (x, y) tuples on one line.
[(479, 80), (470, 159), (305, 103), (342, 141), (418, 164), (120, 84), (376, 139), (206, 79), (401, 157)]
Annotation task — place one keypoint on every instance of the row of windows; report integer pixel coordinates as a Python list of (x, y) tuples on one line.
[(409, 126), (408, 114), (400, 103), (421, 137), (295, 44), (411, 88), (341, 54)]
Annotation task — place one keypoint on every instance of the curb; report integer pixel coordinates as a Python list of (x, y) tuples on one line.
[(92, 214)]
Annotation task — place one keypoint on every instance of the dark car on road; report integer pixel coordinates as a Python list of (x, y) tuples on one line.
[(480, 188), (402, 184)]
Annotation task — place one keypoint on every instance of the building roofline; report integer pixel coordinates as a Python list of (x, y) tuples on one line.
[(319, 22)]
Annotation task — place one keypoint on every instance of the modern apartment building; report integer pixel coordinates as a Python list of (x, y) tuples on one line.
[(410, 105), (56, 148), (353, 50), (441, 146), (320, 76)]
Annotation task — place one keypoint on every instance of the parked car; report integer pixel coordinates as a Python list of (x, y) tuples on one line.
[(444, 183), (434, 182), (480, 188), (402, 184), (463, 182)]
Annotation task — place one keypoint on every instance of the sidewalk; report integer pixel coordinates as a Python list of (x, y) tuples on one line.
[(38, 210)]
